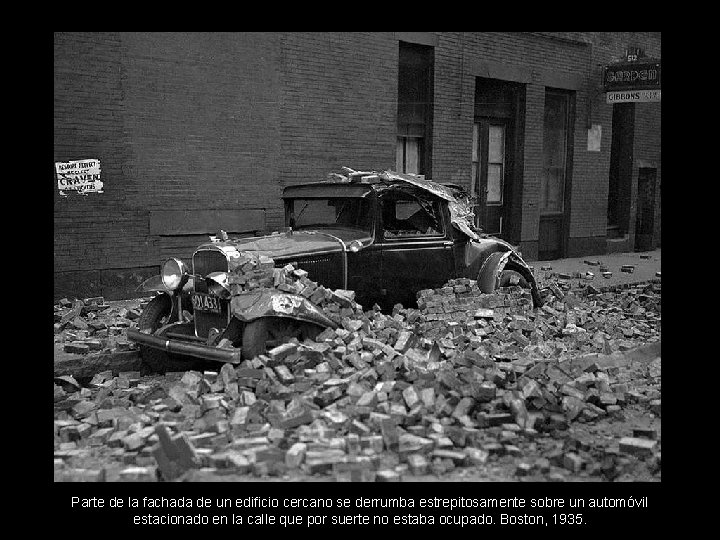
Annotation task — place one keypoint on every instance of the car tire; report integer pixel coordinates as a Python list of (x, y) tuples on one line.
[(153, 317), (264, 333)]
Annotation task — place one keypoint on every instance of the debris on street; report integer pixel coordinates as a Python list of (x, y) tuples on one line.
[(91, 324), (467, 382)]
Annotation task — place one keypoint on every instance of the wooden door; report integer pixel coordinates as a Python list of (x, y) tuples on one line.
[(555, 180), (645, 218)]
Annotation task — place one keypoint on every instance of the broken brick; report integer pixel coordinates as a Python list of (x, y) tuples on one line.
[(637, 447)]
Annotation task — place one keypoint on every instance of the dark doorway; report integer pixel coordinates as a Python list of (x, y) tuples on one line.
[(555, 181), (621, 168), (645, 219), (496, 179)]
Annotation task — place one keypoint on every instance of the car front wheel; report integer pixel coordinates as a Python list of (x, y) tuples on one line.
[(156, 315), (261, 335)]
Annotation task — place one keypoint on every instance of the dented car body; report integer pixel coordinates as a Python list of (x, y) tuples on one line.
[(383, 235)]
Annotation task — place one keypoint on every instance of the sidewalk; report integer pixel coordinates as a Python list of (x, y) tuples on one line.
[(644, 268)]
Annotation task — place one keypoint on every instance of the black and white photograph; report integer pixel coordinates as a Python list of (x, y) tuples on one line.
[(358, 257)]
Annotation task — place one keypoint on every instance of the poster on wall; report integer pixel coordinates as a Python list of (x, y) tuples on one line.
[(594, 138), (79, 176)]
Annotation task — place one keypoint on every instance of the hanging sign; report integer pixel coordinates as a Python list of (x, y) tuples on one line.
[(640, 75)]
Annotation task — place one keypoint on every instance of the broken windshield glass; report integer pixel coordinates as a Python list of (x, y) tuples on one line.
[(342, 212)]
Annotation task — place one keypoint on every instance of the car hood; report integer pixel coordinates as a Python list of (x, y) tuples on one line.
[(287, 245)]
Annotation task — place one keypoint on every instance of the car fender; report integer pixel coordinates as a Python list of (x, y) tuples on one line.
[(494, 265), (152, 284), (475, 254), (174, 314), (272, 303), (155, 284)]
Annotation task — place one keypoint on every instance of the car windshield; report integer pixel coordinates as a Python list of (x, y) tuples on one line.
[(344, 212)]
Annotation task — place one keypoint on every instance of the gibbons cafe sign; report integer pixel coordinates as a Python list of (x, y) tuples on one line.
[(634, 80)]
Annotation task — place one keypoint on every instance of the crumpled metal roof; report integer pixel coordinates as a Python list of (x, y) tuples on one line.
[(461, 214)]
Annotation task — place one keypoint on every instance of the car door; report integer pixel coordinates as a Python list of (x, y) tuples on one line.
[(417, 247)]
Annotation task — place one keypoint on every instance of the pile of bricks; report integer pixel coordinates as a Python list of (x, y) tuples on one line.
[(90, 325), (250, 271), (459, 309), (417, 391)]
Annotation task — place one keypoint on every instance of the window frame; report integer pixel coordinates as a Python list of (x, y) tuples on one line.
[(289, 209), (412, 196), (503, 128), (401, 137), (415, 99)]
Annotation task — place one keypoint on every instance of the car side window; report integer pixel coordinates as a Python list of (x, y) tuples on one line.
[(409, 216)]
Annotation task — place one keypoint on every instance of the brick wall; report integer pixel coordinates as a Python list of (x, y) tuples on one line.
[(199, 122), (221, 122), (183, 122), (338, 105), (453, 112)]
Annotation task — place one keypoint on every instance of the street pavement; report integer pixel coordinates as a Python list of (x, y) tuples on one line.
[(646, 265)]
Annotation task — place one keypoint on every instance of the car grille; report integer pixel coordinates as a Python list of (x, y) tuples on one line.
[(326, 270), (205, 262)]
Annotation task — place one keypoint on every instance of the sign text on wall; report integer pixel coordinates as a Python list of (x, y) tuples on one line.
[(81, 176), (634, 96)]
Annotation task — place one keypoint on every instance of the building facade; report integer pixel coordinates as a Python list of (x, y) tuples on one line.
[(192, 133)]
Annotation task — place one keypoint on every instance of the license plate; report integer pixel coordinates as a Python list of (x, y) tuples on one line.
[(206, 303)]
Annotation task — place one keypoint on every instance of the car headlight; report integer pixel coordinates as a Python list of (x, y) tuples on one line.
[(174, 274)]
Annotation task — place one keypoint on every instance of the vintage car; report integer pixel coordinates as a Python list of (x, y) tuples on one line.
[(383, 235)]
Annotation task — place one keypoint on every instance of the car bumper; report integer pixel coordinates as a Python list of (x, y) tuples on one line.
[(177, 346)]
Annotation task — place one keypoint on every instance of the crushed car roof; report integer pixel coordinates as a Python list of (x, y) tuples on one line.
[(461, 214)]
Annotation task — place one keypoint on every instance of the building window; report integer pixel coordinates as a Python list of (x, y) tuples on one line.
[(408, 154), (414, 121), (496, 164), (555, 147), (475, 178)]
